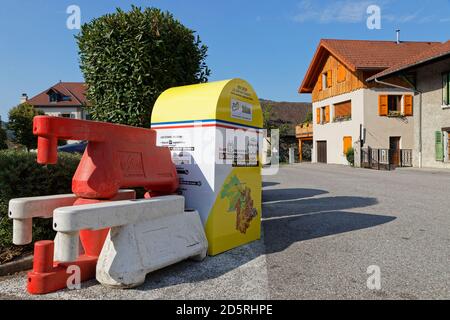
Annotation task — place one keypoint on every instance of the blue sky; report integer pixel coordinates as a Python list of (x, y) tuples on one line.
[(267, 42)]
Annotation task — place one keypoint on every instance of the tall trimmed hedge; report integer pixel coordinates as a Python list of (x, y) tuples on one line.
[(22, 176), (129, 58)]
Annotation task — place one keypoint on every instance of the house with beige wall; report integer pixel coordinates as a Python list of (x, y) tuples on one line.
[(350, 112), (428, 77)]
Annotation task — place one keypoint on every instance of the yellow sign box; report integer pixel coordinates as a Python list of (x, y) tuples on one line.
[(213, 131)]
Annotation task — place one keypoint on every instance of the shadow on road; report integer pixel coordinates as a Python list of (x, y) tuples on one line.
[(280, 233), (289, 216), (269, 184), (290, 194)]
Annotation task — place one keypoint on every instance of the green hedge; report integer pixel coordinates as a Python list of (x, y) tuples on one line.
[(22, 176)]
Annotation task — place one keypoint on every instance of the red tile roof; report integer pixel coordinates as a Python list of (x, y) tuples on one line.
[(436, 52), (75, 90), (361, 55)]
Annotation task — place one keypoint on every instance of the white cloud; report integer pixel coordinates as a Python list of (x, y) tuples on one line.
[(342, 11), (354, 11)]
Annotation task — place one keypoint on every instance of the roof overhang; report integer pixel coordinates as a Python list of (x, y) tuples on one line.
[(395, 71), (322, 52)]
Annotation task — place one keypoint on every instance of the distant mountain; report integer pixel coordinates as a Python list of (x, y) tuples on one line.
[(290, 113)]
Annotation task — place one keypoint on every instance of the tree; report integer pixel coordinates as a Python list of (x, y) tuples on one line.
[(308, 118), (350, 155), (129, 58), (269, 123), (21, 123), (3, 139)]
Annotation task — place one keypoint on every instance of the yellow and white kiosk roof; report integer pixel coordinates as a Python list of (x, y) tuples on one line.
[(229, 104)]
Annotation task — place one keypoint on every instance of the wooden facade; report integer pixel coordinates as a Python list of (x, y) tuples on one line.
[(349, 81), (340, 79)]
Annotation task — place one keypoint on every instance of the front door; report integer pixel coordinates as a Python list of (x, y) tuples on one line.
[(322, 151), (394, 146)]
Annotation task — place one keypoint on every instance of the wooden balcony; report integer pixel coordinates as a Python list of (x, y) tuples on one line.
[(304, 131)]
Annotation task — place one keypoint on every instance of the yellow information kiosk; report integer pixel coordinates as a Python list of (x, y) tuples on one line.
[(213, 131)]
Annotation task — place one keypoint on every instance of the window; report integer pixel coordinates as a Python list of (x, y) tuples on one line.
[(446, 89), (347, 142), (53, 97), (66, 115), (394, 104), (343, 111), (327, 78), (324, 80), (325, 118), (323, 115)]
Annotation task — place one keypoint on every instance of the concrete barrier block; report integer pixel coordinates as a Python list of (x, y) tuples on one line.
[(132, 251)]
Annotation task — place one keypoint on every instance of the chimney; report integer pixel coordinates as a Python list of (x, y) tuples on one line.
[(24, 98), (398, 35)]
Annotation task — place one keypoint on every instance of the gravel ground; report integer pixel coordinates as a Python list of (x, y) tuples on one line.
[(323, 226)]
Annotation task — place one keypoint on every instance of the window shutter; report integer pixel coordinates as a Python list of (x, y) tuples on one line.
[(329, 79), (327, 114), (319, 83), (445, 89), (341, 73), (347, 144), (439, 146), (383, 105), (318, 115), (408, 99)]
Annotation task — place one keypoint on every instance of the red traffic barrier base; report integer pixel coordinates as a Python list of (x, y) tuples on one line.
[(48, 276)]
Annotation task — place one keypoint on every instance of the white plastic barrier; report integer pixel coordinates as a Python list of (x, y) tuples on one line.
[(146, 235), (23, 210)]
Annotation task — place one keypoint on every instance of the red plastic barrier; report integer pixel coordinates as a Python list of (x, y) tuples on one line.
[(116, 157), (49, 276)]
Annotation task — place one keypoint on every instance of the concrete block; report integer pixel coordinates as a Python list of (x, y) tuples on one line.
[(145, 235), (132, 251)]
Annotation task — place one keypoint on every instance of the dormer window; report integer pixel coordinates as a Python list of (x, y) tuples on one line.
[(53, 97)]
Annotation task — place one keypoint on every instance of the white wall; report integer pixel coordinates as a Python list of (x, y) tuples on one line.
[(334, 132), (57, 111)]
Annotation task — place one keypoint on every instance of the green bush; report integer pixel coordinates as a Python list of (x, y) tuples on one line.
[(129, 58), (351, 156), (22, 176), (3, 139)]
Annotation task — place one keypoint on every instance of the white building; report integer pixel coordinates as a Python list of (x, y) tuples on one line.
[(64, 99), (376, 119)]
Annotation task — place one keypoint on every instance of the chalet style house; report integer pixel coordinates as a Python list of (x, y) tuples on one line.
[(375, 118), (428, 75), (64, 99)]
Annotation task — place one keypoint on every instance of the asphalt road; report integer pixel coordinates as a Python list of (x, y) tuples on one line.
[(323, 226)]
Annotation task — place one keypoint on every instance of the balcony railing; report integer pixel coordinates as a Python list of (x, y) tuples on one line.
[(304, 130), (385, 159)]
